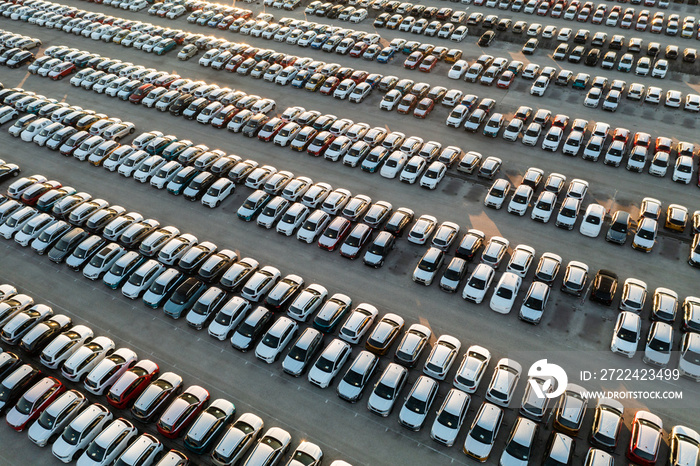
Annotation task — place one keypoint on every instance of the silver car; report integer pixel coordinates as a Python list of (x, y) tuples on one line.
[(418, 402), (237, 439), (450, 417)]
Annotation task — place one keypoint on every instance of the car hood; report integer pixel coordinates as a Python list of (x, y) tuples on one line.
[(507, 460), (349, 391), (656, 356), (411, 418), (239, 340), (15, 418), (477, 448)]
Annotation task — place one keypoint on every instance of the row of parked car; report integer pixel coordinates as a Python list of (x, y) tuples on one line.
[(335, 139), (53, 414), (15, 49), (385, 394), (613, 17), (641, 151)]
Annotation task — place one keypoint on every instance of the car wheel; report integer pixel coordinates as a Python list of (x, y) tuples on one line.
[(15, 174)]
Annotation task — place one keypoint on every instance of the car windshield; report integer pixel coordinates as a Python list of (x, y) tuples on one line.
[(324, 364), (223, 318), (659, 345), (518, 451), (415, 405), (691, 357), (250, 204), (46, 420), (24, 406), (96, 452), (646, 234), (504, 292), (384, 391), (353, 378), (481, 435), (533, 303), (71, 436), (272, 341), (627, 335), (476, 282)]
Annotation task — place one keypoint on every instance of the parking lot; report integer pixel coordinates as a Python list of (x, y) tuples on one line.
[(574, 333)]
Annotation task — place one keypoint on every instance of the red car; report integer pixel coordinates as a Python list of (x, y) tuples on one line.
[(182, 411), (34, 192), (62, 70), (359, 76), (543, 8), (234, 63), (130, 385), (140, 93), (506, 80), (407, 103), (424, 107), (621, 134), (270, 129), (33, 402), (560, 121), (288, 61), (224, 116), (428, 64), (358, 49), (329, 86), (663, 144), (225, 23), (646, 439), (334, 234), (320, 143), (413, 60)]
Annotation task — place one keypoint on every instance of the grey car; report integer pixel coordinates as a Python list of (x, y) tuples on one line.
[(352, 385)]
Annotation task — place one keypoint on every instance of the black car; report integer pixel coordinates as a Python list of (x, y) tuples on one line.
[(199, 186), (215, 267), (619, 227), (592, 57), (469, 245), (252, 328), (486, 39), (65, 246), (604, 287), (8, 170), (181, 104), (8, 363), (379, 249), (195, 107), (14, 385), (254, 125), (136, 233), (41, 335), (398, 222)]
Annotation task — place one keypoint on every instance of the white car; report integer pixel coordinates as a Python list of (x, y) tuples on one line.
[(478, 283), (56, 417), (329, 363), (142, 279), (85, 358), (394, 164), (109, 444), (544, 206), (592, 220), (442, 356), (412, 169), (683, 169), (503, 383), (520, 201), (218, 192), (433, 175), (80, 432), (276, 339), (540, 85), (64, 345), (103, 376), (521, 260), (358, 323), (497, 193), (626, 335), (229, 316), (645, 237), (483, 432), (657, 351), (505, 292), (422, 229)]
